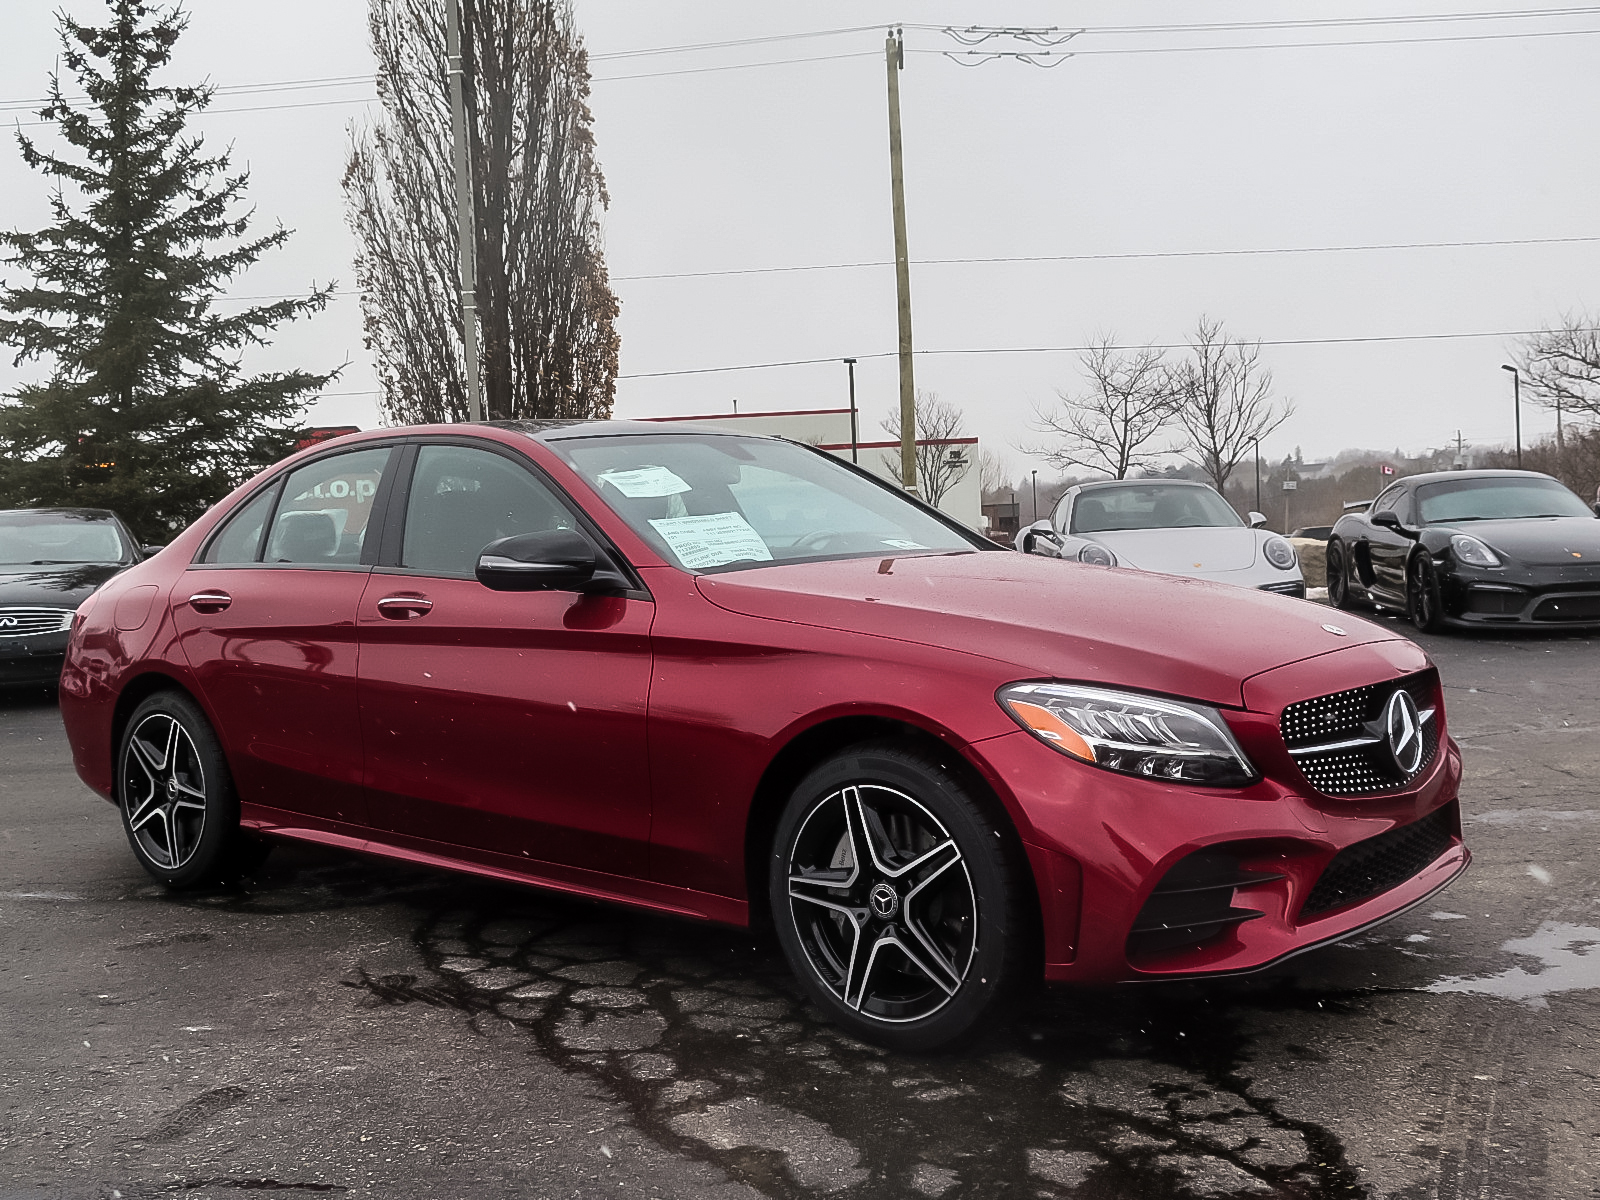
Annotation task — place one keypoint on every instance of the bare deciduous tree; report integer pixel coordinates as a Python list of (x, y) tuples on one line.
[(1223, 397), (1562, 365), (546, 312), (1111, 427), (938, 470)]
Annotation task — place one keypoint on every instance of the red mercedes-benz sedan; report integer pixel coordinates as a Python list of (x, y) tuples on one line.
[(735, 679)]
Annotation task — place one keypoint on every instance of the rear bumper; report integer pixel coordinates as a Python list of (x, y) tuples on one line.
[(1099, 845)]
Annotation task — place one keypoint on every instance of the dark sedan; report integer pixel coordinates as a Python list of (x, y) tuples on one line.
[(1471, 548), (50, 560)]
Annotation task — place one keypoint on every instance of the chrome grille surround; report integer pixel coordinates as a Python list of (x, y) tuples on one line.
[(18, 621), (1339, 743)]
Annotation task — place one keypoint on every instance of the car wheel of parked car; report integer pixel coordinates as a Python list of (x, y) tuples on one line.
[(1422, 595), (894, 898), (179, 807), (1338, 577)]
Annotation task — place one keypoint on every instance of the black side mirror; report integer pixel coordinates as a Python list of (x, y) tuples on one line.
[(1597, 508), (562, 560), (150, 551), (1387, 519)]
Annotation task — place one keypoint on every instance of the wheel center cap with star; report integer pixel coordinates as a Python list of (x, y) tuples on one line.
[(885, 901)]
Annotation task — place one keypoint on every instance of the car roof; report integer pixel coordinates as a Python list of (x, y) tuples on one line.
[(100, 514), (557, 431), (1097, 484)]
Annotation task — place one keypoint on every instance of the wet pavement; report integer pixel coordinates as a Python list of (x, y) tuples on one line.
[(341, 1026)]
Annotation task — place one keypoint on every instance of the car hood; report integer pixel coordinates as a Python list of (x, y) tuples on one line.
[(1561, 541), (1182, 551), (1047, 618), (65, 586)]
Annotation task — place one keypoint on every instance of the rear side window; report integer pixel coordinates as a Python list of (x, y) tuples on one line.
[(240, 539), (462, 499), (326, 509)]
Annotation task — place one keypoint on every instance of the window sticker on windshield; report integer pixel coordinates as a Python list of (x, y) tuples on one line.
[(712, 541), (645, 483), (903, 544)]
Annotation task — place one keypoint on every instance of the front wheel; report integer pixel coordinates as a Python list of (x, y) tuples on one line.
[(1338, 577), (895, 899), (179, 807), (1422, 596)]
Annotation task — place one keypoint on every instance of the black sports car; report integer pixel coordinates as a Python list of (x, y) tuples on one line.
[(50, 560), (1471, 548)]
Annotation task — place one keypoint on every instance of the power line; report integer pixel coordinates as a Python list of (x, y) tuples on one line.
[(1116, 256), (1325, 341)]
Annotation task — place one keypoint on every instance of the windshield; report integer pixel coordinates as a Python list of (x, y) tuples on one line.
[(1496, 499), (44, 538), (1150, 506), (714, 502)]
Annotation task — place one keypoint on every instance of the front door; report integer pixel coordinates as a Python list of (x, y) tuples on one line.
[(267, 620), (503, 722)]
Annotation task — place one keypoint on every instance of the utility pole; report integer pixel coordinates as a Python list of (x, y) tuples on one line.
[(466, 240), (855, 434), (894, 54), (1257, 442), (1516, 405), (1036, 495)]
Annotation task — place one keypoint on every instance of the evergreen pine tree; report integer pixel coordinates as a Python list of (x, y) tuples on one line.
[(145, 410)]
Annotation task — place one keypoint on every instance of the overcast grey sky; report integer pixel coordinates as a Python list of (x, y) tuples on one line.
[(1141, 144)]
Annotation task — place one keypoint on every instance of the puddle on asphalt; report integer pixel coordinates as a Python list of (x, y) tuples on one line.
[(1567, 959)]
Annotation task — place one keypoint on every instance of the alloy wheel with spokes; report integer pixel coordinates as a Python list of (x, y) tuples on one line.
[(883, 902), (164, 791), (179, 807), (892, 895)]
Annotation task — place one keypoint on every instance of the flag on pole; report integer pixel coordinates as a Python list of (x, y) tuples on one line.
[(1385, 469)]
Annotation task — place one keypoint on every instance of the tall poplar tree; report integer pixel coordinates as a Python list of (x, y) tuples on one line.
[(145, 409)]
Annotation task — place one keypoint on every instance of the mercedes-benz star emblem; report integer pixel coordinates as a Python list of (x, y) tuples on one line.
[(884, 899), (1403, 725)]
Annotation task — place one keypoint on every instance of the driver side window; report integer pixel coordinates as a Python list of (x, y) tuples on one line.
[(464, 498)]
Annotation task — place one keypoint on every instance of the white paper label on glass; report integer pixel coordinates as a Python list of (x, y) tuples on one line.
[(645, 483), (712, 541), (903, 544)]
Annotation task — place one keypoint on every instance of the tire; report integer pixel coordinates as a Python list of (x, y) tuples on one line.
[(179, 807), (896, 899), (1338, 577), (1422, 596)]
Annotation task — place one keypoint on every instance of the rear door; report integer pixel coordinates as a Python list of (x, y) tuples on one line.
[(267, 620), (509, 723)]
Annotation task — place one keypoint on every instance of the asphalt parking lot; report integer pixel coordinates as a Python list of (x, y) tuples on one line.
[(347, 1027)]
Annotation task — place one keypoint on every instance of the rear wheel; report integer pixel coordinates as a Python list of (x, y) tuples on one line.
[(1338, 577), (894, 899), (179, 807), (1422, 596)]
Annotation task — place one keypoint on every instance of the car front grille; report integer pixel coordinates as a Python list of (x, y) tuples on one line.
[(26, 622), (1568, 608), (1295, 587), (1372, 867), (1340, 742)]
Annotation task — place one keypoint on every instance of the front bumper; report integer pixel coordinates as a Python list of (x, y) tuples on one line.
[(1100, 844), (1545, 598), (31, 661)]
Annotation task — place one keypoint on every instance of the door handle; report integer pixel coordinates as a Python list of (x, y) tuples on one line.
[(210, 602), (404, 608)]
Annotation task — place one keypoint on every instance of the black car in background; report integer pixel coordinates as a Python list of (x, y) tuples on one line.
[(1471, 548), (50, 560)]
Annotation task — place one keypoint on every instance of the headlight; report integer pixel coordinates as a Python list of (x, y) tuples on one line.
[(1133, 734), (1096, 555), (1279, 553), (1473, 552)]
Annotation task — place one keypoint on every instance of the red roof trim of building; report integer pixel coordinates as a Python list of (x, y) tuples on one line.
[(795, 412), (971, 441)]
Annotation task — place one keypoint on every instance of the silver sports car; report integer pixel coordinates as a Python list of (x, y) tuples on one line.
[(1172, 526)]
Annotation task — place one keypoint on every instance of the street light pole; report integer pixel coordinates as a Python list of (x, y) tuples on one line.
[(466, 241), (1516, 404), (1257, 442), (855, 437), (894, 54), (1036, 495)]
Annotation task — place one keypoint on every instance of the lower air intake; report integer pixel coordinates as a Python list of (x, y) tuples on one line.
[(1372, 867)]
